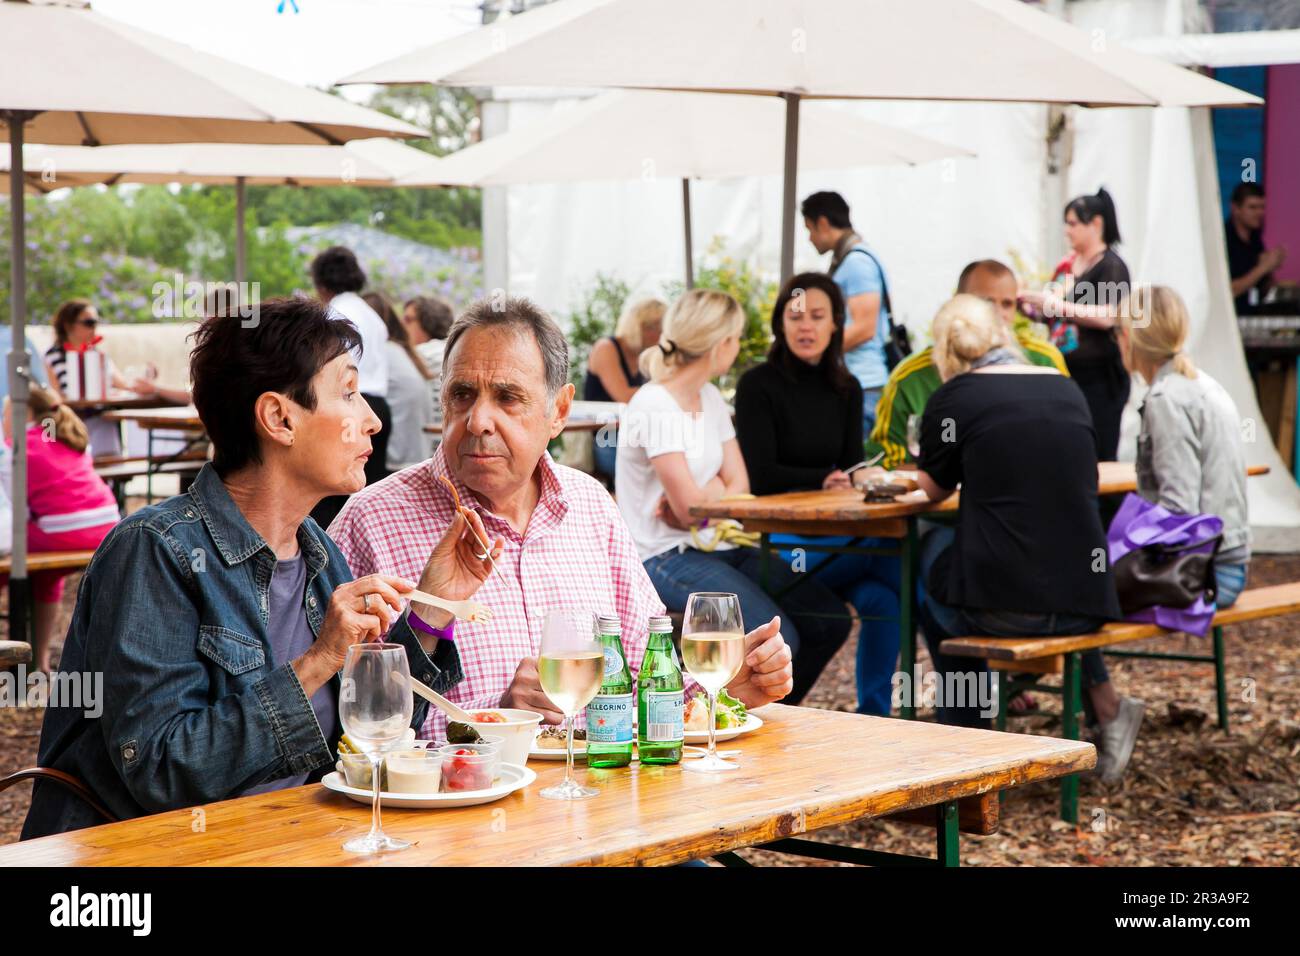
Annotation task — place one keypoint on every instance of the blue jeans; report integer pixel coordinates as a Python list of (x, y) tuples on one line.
[(808, 621), (1229, 579), (870, 397), (870, 582), (940, 622), (604, 456)]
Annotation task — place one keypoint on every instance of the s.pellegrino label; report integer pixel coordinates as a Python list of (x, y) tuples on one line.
[(661, 697), (610, 713)]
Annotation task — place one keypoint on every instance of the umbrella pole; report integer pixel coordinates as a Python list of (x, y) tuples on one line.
[(788, 183), (241, 249), (686, 222), (19, 593)]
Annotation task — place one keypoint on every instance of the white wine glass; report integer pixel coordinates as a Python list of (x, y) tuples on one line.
[(571, 665), (713, 651), (375, 708)]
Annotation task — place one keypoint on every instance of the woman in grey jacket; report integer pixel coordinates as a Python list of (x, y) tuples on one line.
[(1189, 455)]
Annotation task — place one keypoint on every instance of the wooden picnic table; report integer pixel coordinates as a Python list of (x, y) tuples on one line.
[(116, 402), (844, 512), (178, 417), (804, 770), (183, 418)]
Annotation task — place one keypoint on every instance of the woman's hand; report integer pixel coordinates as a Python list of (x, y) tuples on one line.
[(359, 611), (455, 569), (837, 479), (664, 512)]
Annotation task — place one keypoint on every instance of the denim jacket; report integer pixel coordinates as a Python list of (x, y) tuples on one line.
[(173, 612), (1190, 457)]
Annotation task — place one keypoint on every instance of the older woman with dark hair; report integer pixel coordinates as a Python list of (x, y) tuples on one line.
[(799, 421), (220, 618)]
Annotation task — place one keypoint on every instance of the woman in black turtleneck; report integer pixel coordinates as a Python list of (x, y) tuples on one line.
[(799, 423)]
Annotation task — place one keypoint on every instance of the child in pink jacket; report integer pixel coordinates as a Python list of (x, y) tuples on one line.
[(70, 508)]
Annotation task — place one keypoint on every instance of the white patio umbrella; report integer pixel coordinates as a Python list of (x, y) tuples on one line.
[(984, 50), (69, 76), (640, 134), (362, 162)]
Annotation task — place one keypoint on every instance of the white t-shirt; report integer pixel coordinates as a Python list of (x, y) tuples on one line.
[(653, 425), (372, 363), (411, 407)]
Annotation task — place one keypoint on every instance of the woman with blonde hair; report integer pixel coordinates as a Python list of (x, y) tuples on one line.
[(71, 508), (612, 370), (1190, 457), (1020, 442), (679, 449)]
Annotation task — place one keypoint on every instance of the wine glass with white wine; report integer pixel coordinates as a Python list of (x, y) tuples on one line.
[(713, 650), (375, 708), (570, 666)]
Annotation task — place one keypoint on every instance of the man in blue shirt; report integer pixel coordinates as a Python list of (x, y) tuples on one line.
[(862, 280)]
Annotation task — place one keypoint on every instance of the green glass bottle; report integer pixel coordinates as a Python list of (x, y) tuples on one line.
[(661, 698), (609, 715)]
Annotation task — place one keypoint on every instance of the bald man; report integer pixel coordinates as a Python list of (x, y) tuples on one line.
[(915, 379)]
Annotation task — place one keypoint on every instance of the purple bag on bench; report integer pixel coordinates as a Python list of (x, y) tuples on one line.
[(1141, 526)]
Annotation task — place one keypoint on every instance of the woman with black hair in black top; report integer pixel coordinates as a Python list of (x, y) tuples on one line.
[(1094, 281), (799, 423)]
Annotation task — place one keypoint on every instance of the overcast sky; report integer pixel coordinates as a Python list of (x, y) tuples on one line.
[(323, 41)]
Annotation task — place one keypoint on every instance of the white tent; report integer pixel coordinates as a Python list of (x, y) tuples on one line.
[(980, 50), (648, 134)]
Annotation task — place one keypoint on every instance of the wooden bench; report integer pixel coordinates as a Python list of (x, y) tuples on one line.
[(1060, 655), (51, 561), (13, 653)]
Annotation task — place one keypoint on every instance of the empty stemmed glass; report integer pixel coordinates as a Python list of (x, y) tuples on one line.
[(375, 708)]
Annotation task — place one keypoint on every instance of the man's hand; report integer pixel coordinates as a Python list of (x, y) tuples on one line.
[(767, 674), (525, 693), (455, 569), (1272, 258)]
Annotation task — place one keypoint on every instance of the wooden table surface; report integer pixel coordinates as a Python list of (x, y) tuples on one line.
[(114, 402), (845, 512), (805, 769), (181, 417)]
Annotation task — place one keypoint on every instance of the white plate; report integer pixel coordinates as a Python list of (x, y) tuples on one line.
[(557, 753), (512, 778), (752, 723)]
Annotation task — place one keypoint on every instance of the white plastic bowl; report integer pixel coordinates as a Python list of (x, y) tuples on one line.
[(516, 732)]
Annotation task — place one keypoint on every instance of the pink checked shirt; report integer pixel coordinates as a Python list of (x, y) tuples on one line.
[(575, 552)]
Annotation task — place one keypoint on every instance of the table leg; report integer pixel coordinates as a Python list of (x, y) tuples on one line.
[(907, 617), (947, 841), (1294, 375), (1072, 693), (1220, 679), (148, 467), (764, 555)]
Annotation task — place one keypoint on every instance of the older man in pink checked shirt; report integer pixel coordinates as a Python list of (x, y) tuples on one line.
[(557, 537)]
